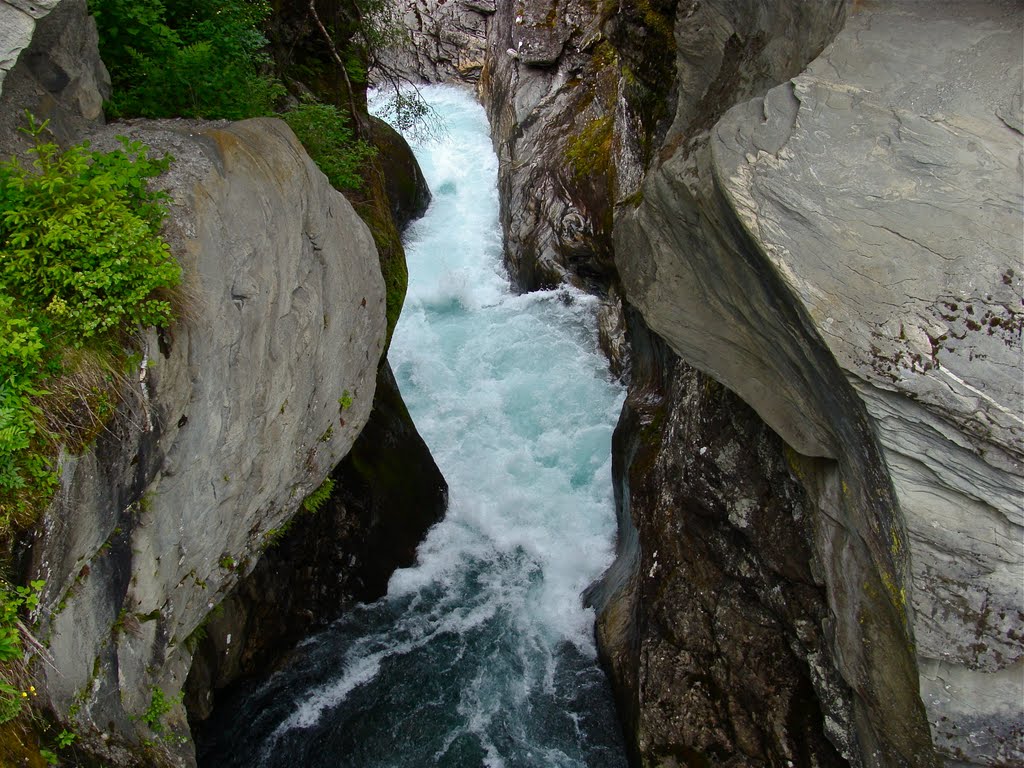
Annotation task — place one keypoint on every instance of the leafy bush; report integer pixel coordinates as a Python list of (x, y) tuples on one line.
[(81, 263), (12, 601), (159, 705), (325, 133), (186, 58), (80, 240)]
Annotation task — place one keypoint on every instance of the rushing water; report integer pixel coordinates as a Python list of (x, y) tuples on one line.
[(481, 654)]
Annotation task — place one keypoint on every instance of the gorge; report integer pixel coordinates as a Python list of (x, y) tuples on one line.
[(480, 654), (795, 228)]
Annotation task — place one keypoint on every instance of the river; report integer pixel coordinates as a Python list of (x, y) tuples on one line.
[(482, 654)]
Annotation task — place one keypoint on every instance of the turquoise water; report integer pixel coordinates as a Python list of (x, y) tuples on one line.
[(482, 653)]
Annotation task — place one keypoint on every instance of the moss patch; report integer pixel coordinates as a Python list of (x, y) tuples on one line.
[(19, 746), (590, 151)]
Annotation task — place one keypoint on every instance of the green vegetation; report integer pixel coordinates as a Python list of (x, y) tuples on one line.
[(159, 705), (325, 133), (589, 153), (316, 499), (186, 58), (82, 264), (13, 691), (345, 401)]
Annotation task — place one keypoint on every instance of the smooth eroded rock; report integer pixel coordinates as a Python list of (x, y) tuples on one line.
[(883, 185), (233, 419)]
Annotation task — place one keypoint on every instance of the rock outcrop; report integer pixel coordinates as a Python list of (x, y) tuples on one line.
[(404, 185), (233, 421), (17, 24), (388, 491), (835, 239), (448, 41), (60, 76), (818, 254), (550, 95), (717, 638), (893, 213)]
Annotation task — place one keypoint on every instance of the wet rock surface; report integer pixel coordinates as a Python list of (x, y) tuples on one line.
[(726, 653)]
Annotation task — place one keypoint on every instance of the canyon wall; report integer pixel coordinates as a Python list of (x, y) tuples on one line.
[(176, 531), (808, 218)]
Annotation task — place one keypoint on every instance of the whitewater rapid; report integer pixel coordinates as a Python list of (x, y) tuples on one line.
[(482, 654)]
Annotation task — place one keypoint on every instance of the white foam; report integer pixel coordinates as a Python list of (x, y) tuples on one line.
[(514, 400)]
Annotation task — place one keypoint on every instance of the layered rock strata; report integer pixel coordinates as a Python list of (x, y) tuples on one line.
[(923, 312), (448, 41), (884, 210)]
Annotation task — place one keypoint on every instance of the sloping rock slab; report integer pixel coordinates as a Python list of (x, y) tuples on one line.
[(884, 187)]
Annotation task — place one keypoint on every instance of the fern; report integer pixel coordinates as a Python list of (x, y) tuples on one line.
[(316, 499)]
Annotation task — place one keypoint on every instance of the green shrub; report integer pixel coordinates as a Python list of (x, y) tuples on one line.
[(12, 601), (186, 58), (325, 133), (159, 705), (81, 263), (81, 240)]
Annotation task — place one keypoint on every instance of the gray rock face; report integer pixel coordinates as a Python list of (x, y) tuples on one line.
[(550, 93), (724, 597), (17, 23), (330, 559), (59, 77), (446, 42), (233, 420), (869, 212), (892, 208)]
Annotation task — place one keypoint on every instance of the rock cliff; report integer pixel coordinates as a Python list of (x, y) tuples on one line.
[(821, 221), (238, 412), (283, 315), (924, 313), (448, 41), (873, 220), (818, 207)]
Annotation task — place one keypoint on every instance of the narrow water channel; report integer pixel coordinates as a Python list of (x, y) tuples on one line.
[(481, 654)]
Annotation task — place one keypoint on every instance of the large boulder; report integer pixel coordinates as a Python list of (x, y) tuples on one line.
[(237, 413)]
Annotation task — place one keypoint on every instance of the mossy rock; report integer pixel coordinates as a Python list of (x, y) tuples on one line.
[(19, 746), (404, 183)]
